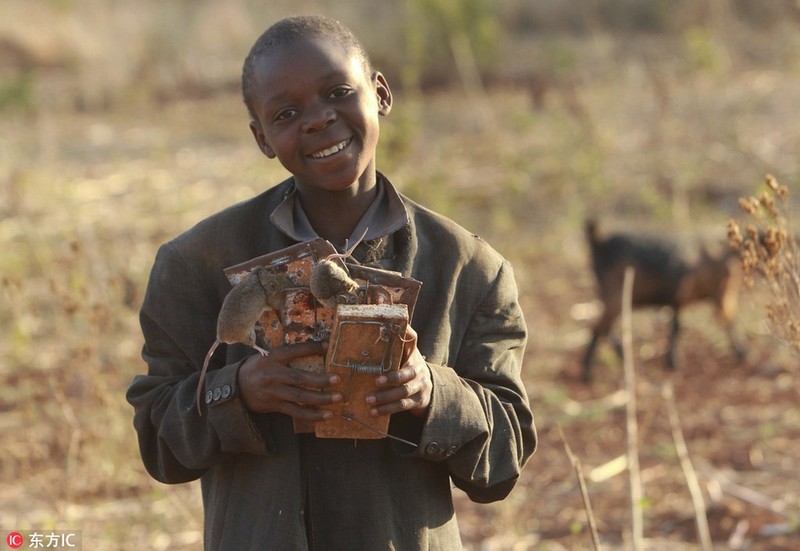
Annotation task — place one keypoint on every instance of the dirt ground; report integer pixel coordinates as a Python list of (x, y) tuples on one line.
[(739, 420), (70, 456)]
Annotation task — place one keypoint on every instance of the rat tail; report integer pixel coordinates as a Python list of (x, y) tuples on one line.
[(203, 375)]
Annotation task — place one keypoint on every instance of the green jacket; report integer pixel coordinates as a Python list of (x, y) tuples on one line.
[(265, 487)]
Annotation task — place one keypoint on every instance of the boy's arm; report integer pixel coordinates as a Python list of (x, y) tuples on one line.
[(479, 421), (179, 325)]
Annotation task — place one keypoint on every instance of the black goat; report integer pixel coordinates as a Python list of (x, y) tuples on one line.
[(668, 272)]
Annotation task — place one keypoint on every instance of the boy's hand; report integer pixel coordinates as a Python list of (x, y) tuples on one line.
[(268, 384), (407, 389)]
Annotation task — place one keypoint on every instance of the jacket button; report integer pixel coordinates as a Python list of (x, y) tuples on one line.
[(217, 394), (432, 448), (209, 397), (450, 451), (226, 391)]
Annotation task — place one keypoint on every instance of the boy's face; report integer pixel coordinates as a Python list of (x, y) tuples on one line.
[(318, 113)]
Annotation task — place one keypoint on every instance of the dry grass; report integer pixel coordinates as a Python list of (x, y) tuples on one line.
[(85, 199), (769, 251)]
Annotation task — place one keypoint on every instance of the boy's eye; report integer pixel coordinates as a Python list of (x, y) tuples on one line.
[(341, 92), (285, 114)]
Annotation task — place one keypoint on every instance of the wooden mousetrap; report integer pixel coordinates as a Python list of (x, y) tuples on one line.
[(363, 330), (367, 340)]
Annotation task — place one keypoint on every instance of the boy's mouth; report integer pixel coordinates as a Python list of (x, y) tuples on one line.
[(331, 150)]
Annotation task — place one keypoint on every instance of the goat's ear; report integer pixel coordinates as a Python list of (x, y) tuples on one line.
[(590, 226)]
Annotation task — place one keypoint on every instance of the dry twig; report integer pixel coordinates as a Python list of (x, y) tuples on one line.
[(637, 525), (576, 465), (703, 533), (744, 493)]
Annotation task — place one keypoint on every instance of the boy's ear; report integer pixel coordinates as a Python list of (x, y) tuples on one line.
[(258, 134), (384, 94)]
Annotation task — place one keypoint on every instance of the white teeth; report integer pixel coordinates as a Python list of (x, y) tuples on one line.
[(330, 151)]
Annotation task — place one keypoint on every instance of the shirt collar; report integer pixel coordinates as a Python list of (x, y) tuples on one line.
[(385, 215)]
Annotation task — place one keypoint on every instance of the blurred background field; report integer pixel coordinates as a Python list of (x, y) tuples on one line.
[(122, 125)]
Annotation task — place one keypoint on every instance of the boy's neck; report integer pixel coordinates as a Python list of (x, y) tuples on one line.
[(335, 216)]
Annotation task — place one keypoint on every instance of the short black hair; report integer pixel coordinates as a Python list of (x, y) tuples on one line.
[(287, 30)]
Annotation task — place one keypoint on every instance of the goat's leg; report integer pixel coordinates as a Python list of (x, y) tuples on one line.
[(738, 348), (588, 358), (727, 307), (673, 340), (617, 344), (733, 338), (600, 330)]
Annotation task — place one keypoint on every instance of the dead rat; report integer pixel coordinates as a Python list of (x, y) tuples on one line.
[(329, 281), (257, 292)]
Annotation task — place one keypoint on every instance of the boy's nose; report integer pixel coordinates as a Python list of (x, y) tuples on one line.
[(318, 119)]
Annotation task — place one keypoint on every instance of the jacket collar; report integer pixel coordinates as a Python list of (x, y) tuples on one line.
[(386, 215)]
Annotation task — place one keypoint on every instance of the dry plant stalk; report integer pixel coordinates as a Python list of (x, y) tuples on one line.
[(703, 532), (769, 252), (637, 514), (576, 465)]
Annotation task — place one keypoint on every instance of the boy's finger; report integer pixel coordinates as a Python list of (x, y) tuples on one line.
[(307, 414), (291, 351), (306, 397), (301, 378)]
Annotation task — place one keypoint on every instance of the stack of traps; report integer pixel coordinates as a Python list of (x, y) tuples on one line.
[(365, 332)]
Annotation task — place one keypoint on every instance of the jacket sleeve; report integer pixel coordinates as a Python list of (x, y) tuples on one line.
[(480, 424), (178, 320)]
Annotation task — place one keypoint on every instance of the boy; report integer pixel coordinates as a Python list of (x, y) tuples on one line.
[(459, 412)]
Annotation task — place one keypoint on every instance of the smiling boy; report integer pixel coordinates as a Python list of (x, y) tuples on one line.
[(459, 409)]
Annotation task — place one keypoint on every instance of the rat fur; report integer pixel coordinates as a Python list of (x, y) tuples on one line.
[(257, 292), (329, 280)]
